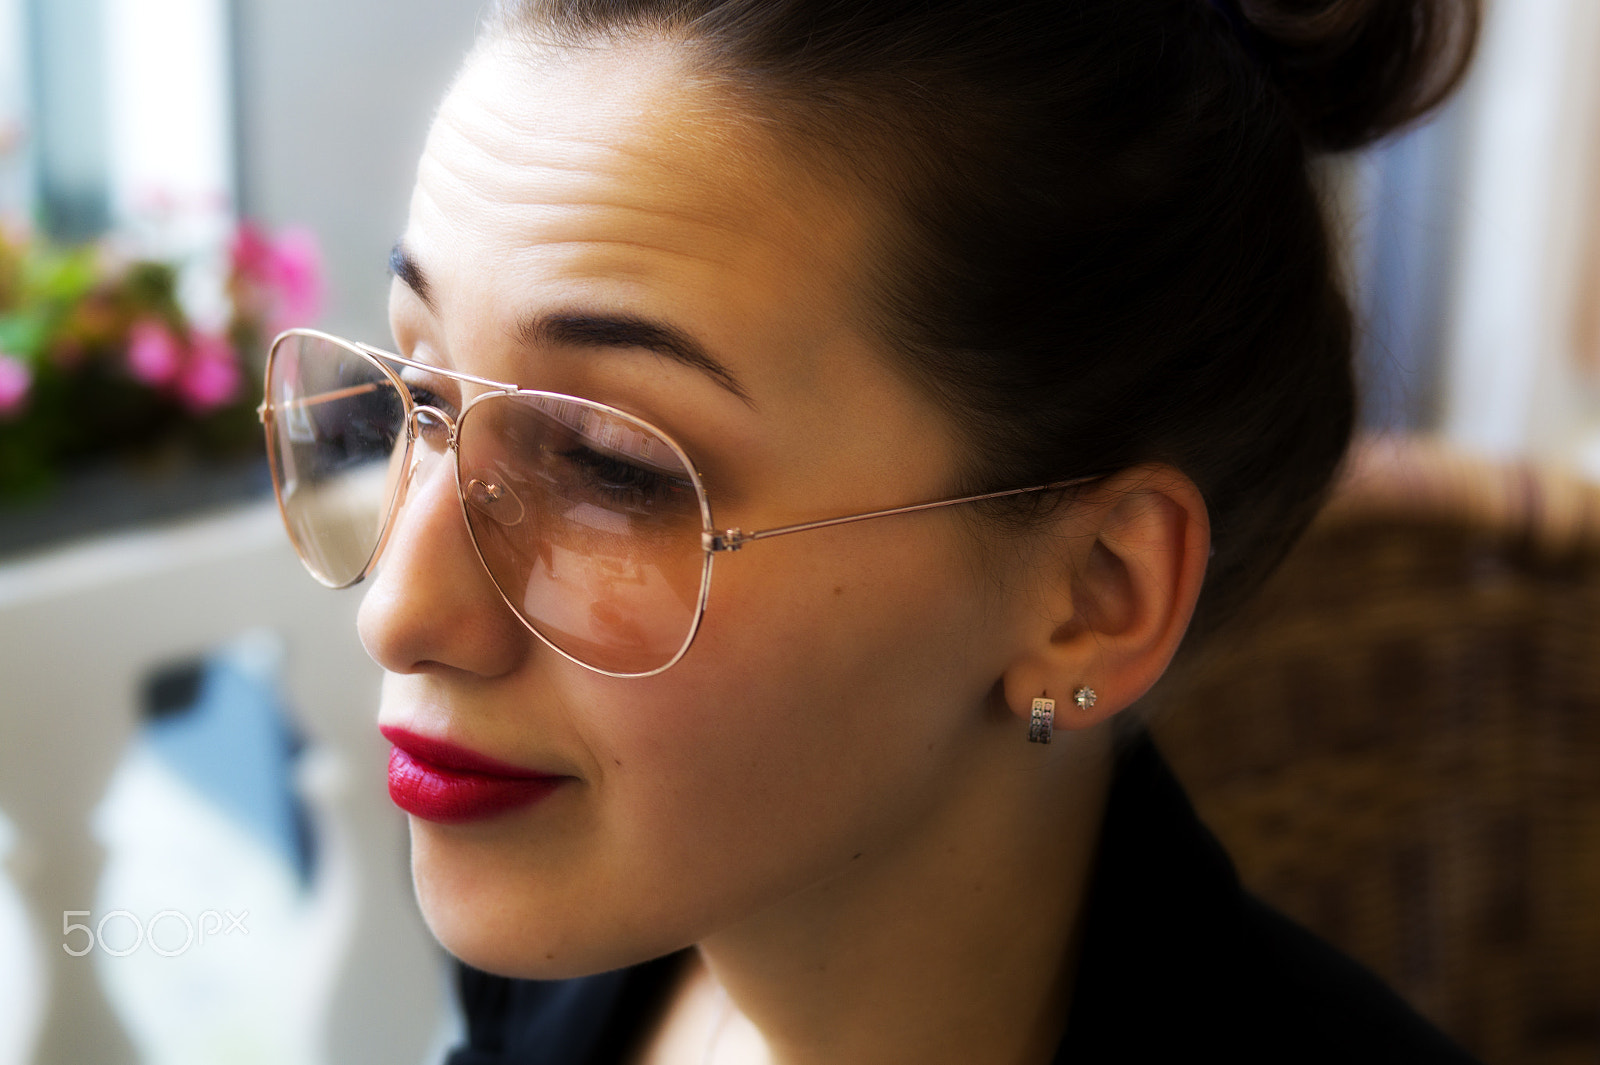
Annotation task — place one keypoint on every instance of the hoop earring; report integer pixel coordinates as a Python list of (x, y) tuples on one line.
[(1042, 722)]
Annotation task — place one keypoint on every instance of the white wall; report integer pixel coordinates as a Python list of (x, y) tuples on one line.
[(1512, 379), (334, 104), (169, 123), (16, 177), (121, 605)]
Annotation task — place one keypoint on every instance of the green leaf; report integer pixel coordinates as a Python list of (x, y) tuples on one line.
[(65, 277), (24, 334)]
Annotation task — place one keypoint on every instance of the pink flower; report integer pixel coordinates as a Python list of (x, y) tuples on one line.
[(297, 274), (211, 377), (251, 253), (154, 355), (15, 380), (286, 270)]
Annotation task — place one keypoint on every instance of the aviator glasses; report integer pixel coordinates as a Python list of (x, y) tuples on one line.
[(593, 524)]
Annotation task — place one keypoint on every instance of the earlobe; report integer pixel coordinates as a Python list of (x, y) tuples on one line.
[(1124, 599)]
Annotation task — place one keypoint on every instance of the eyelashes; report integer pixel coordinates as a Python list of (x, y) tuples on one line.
[(620, 480)]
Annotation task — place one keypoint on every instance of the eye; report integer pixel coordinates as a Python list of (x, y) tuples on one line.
[(623, 480), (423, 396), (428, 390)]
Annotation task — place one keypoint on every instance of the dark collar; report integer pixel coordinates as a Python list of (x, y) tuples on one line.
[(1177, 957)]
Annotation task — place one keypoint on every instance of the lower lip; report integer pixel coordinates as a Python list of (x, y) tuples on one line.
[(453, 796)]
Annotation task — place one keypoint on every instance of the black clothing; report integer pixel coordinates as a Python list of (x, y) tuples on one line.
[(1178, 963)]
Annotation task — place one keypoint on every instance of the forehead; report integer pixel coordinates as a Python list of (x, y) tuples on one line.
[(625, 114), (618, 160), (612, 180)]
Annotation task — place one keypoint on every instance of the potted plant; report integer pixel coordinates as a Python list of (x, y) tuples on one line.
[(102, 369)]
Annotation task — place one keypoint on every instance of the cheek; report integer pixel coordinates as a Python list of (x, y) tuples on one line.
[(827, 688), (831, 690)]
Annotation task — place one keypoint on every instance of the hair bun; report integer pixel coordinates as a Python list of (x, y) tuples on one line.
[(1355, 70)]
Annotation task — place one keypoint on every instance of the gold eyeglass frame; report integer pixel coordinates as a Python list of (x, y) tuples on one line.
[(713, 541)]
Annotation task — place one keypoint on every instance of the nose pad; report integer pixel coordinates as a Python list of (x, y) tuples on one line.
[(495, 501)]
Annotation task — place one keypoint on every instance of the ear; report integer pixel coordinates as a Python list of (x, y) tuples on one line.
[(1118, 599)]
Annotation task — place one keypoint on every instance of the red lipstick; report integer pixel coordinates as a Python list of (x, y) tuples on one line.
[(441, 782)]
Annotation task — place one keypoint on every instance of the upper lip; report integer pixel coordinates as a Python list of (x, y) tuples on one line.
[(446, 755)]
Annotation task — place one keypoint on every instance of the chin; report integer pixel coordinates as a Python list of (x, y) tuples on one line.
[(531, 952), (507, 922)]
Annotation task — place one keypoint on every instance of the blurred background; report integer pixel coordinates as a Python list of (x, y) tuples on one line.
[(189, 771), (185, 719)]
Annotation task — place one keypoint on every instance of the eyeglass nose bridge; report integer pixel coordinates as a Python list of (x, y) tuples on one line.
[(495, 500), (426, 421)]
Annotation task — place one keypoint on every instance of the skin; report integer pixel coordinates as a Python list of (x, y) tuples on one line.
[(831, 796)]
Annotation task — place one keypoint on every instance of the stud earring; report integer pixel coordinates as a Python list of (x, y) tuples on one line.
[(1043, 720), (1085, 697)]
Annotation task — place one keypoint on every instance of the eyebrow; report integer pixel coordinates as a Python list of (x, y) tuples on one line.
[(404, 266), (579, 329)]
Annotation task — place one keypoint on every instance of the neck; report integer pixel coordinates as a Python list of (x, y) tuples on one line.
[(957, 945)]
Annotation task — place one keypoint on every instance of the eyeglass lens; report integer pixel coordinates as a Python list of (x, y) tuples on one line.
[(337, 438), (587, 520)]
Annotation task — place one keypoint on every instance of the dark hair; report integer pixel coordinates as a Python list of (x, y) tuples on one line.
[(1108, 249)]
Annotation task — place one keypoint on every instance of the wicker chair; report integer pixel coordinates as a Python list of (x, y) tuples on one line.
[(1399, 742)]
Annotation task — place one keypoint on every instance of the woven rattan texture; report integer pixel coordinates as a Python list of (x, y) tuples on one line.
[(1399, 742)]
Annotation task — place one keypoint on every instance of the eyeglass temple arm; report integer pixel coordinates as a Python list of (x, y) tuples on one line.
[(734, 539), (267, 406)]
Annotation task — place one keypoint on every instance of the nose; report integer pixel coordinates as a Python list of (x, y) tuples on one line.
[(431, 604)]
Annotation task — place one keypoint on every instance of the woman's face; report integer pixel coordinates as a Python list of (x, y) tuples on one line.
[(836, 692)]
